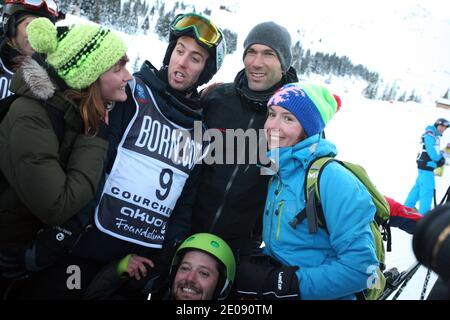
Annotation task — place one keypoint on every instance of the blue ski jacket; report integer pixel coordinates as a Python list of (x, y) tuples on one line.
[(431, 143), (333, 265)]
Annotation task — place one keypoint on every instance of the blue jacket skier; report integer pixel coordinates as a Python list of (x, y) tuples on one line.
[(428, 159)]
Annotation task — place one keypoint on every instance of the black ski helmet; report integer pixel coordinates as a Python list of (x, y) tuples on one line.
[(442, 122), (216, 52), (14, 8)]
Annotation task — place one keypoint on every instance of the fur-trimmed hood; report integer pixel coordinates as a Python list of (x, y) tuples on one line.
[(33, 80)]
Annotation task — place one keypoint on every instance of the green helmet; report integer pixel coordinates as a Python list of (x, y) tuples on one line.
[(216, 247)]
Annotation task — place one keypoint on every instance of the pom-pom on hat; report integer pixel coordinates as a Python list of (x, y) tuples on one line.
[(312, 105), (81, 54)]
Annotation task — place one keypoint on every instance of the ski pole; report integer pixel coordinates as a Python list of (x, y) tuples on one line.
[(446, 197), (425, 285), (406, 279), (434, 198), (392, 283)]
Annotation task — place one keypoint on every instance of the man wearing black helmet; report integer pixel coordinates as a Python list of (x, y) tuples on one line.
[(145, 206), (14, 46), (428, 160)]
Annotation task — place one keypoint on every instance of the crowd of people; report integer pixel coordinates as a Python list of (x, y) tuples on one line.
[(104, 170)]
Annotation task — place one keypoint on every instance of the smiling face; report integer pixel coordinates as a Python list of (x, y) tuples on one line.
[(196, 277), (20, 40), (262, 67), (114, 81), (282, 128), (186, 64)]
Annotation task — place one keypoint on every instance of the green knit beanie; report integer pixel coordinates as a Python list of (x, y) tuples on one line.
[(81, 54)]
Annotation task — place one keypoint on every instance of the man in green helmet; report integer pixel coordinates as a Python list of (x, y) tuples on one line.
[(203, 268)]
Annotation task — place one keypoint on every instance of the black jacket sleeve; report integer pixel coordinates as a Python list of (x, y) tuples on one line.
[(180, 220)]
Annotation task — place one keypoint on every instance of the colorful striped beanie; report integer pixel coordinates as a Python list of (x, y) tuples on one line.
[(81, 54), (311, 104)]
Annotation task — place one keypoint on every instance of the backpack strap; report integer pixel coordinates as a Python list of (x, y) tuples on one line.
[(57, 119), (313, 211)]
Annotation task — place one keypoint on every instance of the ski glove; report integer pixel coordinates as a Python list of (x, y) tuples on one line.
[(441, 162), (50, 244), (264, 278)]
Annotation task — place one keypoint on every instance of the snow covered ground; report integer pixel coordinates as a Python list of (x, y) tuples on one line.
[(384, 138)]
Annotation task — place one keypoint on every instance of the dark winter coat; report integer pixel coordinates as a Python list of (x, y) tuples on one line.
[(231, 198), (43, 181)]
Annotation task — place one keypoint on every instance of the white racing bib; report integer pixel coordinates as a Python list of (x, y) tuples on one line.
[(5, 81), (154, 160)]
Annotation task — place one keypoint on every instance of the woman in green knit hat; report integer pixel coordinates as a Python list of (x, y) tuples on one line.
[(53, 138)]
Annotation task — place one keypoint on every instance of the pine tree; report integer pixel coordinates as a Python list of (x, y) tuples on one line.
[(95, 12), (412, 96), (207, 12), (163, 23), (402, 97), (305, 64), (230, 40), (371, 91), (297, 53)]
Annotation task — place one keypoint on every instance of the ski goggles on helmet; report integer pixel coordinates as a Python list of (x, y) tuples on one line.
[(205, 31), (49, 5)]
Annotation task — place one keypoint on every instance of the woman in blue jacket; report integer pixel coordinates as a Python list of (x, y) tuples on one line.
[(323, 265)]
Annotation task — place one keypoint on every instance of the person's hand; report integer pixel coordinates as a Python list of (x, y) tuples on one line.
[(262, 279), (137, 267), (441, 162), (209, 88)]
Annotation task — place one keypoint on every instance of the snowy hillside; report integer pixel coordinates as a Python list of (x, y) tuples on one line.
[(384, 138), (405, 41)]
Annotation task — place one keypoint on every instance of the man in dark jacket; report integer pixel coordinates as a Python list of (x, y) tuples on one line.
[(14, 45), (231, 196), (145, 205)]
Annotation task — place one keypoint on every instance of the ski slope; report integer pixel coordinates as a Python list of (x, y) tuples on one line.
[(384, 138)]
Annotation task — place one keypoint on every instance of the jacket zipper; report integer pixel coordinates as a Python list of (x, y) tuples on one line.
[(277, 191), (280, 212), (229, 185)]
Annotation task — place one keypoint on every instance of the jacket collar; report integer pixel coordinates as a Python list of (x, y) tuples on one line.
[(37, 81), (259, 99), (298, 157), (176, 107), (434, 130), (32, 80)]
